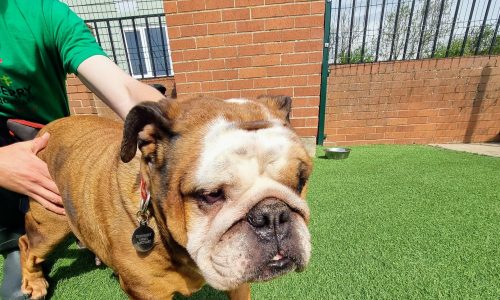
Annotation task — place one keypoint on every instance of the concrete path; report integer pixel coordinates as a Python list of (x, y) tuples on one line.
[(490, 149)]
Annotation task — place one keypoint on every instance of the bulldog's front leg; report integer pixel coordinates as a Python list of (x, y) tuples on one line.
[(240, 293)]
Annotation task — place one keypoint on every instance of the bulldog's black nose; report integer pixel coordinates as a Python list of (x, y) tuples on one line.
[(270, 219)]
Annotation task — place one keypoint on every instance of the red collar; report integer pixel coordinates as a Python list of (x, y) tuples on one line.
[(144, 190)]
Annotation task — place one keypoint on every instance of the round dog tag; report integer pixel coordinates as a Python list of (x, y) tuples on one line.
[(143, 238)]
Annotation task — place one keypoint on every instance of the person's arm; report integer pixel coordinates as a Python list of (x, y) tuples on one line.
[(115, 87), (33, 178)]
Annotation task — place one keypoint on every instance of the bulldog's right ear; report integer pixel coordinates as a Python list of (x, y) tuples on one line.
[(143, 125), (281, 104)]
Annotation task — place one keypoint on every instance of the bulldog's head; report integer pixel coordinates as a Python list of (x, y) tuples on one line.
[(228, 180)]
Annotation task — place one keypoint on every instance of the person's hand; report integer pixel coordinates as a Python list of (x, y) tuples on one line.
[(21, 171)]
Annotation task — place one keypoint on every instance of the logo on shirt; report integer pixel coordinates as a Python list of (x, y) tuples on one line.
[(6, 80)]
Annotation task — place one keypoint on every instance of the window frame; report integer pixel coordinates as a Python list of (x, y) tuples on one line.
[(147, 67)]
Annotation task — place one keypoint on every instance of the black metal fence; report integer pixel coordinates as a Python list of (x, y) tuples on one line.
[(384, 30), (137, 44)]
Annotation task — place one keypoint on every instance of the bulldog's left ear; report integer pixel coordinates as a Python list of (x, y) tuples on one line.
[(144, 124), (281, 104)]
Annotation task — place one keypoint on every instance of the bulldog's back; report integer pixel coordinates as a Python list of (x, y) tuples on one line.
[(83, 159)]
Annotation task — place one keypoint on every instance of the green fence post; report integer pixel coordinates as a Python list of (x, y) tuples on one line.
[(324, 74)]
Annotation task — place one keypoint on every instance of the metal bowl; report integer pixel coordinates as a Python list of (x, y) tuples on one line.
[(337, 153)]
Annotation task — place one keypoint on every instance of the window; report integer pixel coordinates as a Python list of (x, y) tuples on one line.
[(148, 53)]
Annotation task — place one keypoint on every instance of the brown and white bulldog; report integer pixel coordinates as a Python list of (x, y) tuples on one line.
[(226, 179)]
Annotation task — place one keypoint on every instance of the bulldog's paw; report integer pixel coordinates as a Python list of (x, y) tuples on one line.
[(35, 288)]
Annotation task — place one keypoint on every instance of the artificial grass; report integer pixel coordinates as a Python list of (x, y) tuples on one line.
[(389, 222)]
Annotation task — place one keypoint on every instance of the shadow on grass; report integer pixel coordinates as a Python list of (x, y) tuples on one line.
[(84, 261)]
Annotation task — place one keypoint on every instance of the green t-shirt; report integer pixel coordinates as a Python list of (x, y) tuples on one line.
[(40, 42)]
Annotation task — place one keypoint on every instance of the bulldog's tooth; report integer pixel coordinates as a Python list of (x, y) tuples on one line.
[(277, 257)]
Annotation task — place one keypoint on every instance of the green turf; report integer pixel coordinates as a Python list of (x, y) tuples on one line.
[(390, 222)]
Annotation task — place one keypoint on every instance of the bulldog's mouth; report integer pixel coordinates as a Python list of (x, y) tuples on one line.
[(277, 266)]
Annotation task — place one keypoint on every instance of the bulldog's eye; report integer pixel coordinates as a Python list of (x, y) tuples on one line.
[(212, 197), (302, 178)]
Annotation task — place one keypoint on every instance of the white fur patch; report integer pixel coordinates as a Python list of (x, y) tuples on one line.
[(230, 153), (237, 100)]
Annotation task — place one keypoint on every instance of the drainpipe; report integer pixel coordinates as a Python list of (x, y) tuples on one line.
[(324, 74)]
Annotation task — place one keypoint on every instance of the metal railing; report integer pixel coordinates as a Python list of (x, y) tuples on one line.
[(384, 30), (138, 44)]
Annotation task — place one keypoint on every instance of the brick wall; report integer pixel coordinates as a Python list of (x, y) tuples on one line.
[(245, 48), (83, 102), (426, 101)]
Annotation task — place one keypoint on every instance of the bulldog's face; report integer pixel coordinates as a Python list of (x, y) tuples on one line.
[(231, 177)]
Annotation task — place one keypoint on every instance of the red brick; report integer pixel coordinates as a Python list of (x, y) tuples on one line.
[(252, 94), (205, 17), (190, 5), (307, 69), (267, 36), (246, 3), (181, 44), (296, 9), (179, 19), (196, 54), (276, 1), (219, 4), (188, 88), (266, 60), (213, 86), (250, 26), (224, 74), (227, 27), (210, 41), (266, 12), (314, 79), (238, 62), (311, 122), (279, 23), (317, 8), (266, 82), (177, 54), (198, 76), (241, 84), (238, 39), (294, 58), (306, 131), (212, 64), (250, 50), (186, 66), (193, 30), (85, 110), (236, 14), (306, 91), (305, 112), (170, 7), (309, 21), (307, 46), (298, 122), (317, 34), (279, 71), (283, 47), (294, 81), (252, 72), (225, 52), (174, 32)]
